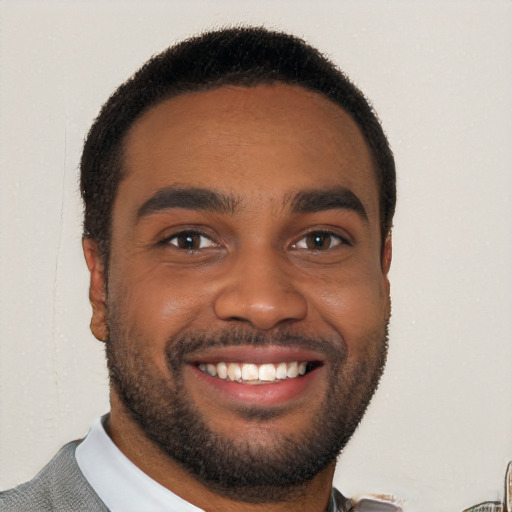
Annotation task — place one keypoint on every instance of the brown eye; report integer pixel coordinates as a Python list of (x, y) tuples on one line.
[(320, 241), (190, 241)]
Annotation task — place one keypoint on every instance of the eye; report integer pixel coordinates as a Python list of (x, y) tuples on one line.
[(190, 241), (320, 241)]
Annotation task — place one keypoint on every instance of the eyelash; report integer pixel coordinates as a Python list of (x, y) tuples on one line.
[(191, 234), (302, 244), (341, 240)]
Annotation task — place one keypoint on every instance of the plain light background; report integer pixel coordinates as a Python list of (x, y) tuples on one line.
[(438, 433)]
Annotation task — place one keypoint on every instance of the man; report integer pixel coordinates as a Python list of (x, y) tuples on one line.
[(239, 195)]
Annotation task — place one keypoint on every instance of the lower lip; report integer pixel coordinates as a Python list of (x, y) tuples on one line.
[(275, 393)]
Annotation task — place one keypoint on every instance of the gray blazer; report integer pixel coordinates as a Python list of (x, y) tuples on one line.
[(61, 486)]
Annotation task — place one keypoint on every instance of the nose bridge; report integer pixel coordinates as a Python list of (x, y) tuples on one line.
[(259, 290)]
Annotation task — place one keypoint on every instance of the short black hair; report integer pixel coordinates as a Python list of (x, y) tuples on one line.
[(244, 56)]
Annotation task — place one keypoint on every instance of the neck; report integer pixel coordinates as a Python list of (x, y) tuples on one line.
[(131, 440)]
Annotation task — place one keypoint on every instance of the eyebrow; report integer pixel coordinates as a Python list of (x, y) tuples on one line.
[(311, 201), (202, 199), (191, 198)]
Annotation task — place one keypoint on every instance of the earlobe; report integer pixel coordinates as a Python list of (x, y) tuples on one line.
[(97, 288)]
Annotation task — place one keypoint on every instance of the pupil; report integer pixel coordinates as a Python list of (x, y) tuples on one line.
[(319, 241), (188, 242)]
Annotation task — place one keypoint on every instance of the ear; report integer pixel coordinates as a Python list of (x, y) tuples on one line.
[(97, 288), (387, 253)]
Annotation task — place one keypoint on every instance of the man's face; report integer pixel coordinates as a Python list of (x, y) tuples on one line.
[(246, 251)]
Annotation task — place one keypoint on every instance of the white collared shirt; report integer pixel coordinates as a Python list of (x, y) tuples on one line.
[(119, 483)]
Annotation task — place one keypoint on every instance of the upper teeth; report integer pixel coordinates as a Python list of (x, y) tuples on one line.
[(254, 373)]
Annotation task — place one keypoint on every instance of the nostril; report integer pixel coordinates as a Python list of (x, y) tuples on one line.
[(237, 319)]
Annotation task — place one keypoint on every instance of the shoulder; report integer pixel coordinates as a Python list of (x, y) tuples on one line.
[(60, 485)]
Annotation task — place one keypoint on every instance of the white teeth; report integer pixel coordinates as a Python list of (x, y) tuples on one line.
[(281, 371), (267, 372), (251, 373), (211, 369), (222, 370), (234, 371), (292, 371)]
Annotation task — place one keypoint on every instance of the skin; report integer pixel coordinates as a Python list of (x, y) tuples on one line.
[(260, 145)]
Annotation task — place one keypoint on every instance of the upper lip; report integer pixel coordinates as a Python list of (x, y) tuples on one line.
[(254, 354)]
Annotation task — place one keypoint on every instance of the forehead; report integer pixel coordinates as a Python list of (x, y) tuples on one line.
[(264, 141)]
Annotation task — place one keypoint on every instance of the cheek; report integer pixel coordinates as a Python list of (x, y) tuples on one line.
[(354, 307), (156, 302)]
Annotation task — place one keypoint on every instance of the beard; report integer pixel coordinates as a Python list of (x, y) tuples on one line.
[(244, 468)]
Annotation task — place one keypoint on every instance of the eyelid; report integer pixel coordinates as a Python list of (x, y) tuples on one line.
[(189, 231), (210, 242), (342, 239)]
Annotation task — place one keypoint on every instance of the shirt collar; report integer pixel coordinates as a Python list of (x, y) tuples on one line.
[(119, 483)]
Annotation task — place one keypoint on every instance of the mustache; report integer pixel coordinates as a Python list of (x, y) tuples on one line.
[(183, 345)]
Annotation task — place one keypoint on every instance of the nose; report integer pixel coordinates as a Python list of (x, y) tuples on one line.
[(257, 290)]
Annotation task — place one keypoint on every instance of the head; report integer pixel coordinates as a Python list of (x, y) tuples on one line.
[(239, 195)]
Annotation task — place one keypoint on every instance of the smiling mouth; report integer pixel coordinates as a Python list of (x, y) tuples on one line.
[(251, 373)]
